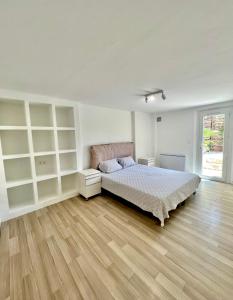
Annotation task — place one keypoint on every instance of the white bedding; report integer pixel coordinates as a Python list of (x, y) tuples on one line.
[(153, 189)]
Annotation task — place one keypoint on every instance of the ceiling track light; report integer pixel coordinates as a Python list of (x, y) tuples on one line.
[(150, 94)]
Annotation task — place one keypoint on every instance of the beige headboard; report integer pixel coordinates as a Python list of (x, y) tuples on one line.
[(109, 151)]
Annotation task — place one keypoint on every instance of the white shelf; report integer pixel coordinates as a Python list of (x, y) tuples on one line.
[(68, 161), (69, 183), (12, 113), (15, 183), (22, 210), (66, 140), (45, 165), (41, 128), (41, 114), (43, 140), (17, 169), (46, 177), (14, 156), (44, 153), (65, 128), (70, 194), (13, 127), (65, 116), (47, 189), (68, 172), (20, 196), (14, 142), (67, 151)]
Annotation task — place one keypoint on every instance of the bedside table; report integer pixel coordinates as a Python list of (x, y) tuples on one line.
[(148, 161), (90, 182)]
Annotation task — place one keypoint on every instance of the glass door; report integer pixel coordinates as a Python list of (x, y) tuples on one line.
[(213, 144)]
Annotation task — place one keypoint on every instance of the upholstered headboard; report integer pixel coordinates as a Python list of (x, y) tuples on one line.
[(109, 151)]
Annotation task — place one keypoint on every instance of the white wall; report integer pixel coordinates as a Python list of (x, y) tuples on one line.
[(144, 134), (101, 125), (176, 134)]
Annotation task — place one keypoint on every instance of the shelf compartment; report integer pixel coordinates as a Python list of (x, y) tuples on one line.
[(43, 140), (45, 165), (47, 189), (69, 183), (66, 140), (41, 114), (17, 169), (12, 113), (20, 196), (68, 161), (14, 142), (65, 116)]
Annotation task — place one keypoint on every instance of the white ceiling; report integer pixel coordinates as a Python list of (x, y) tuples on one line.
[(106, 52)]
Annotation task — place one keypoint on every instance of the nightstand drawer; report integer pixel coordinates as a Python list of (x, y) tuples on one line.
[(90, 181), (92, 190)]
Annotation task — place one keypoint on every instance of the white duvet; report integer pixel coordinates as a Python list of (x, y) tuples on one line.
[(153, 189)]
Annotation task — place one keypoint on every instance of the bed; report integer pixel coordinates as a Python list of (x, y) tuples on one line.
[(153, 189)]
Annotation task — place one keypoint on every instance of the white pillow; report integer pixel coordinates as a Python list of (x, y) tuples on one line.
[(126, 162), (109, 166)]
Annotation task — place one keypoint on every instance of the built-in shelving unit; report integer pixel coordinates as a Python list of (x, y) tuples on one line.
[(38, 155)]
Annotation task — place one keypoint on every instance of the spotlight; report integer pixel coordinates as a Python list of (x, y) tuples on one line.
[(151, 95)]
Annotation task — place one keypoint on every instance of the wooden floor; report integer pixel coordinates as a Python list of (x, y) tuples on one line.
[(104, 249)]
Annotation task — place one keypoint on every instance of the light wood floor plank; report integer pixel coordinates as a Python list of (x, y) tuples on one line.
[(107, 249)]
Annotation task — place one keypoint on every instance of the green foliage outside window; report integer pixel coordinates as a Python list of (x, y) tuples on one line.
[(212, 138)]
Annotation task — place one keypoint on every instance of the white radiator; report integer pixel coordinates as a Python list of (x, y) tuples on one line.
[(172, 161)]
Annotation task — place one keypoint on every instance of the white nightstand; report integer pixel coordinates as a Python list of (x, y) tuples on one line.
[(90, 182), (148, 161)]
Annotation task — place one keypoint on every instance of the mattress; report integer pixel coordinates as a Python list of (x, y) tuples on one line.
[(155, 190)]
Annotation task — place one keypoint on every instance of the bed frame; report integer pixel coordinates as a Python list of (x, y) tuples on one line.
[(104, 152)]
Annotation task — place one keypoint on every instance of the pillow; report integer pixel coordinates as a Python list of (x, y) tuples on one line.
[(126, 162), (109, 166)]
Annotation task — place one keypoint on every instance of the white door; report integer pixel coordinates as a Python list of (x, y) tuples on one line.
[(213, 144)]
